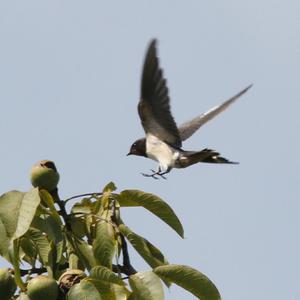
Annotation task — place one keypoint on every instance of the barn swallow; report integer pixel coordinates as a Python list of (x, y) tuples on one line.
[(163, 139)]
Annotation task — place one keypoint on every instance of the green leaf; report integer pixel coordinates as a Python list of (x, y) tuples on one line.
[(189, 279), (73, 261), (104, 244), (79, 226), (41, 243), (105, 274), (146, 286), (120, 292), (9, 210), (48, 199), (27, 210), (84, 251), (84, 206), (29, 249), (17, 210), (102, 203), (152, 203), (111, 187), (109, 291), (4, 242), (16, 264), (83, 291), (48, 225), (53, 229), (104, 288), (148, 252)]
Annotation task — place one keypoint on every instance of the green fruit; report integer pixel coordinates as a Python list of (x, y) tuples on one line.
[(44, 175), (42, 288), (7, 284)]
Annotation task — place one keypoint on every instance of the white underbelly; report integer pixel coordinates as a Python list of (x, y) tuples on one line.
[(160, 152)]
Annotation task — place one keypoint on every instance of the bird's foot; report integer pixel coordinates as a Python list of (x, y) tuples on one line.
[(155, 174)]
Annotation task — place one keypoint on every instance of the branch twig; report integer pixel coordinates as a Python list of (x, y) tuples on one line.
[(39, 271), (82, 195)]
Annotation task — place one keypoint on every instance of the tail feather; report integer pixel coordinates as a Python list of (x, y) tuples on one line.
[(204, 156)]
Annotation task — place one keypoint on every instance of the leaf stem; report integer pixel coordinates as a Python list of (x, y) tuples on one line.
[(17, 272)]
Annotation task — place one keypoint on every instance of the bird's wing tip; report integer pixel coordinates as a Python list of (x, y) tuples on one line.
[(249, 87), (153, 42)]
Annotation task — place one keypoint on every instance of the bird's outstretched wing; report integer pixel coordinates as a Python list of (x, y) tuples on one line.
[(154, 106), (187, 129)]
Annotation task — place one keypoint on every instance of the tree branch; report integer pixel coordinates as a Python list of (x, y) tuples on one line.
[(130, 270), (127, 268), (39, 271), (62, 207)]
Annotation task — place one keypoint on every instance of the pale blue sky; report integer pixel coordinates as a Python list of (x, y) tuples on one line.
[(69, 86)]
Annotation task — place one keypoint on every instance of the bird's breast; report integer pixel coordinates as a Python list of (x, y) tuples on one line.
[(161, 152)]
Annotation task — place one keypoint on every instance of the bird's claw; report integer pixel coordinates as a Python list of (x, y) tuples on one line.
[(155, 174), (149, 175), (162, 176)]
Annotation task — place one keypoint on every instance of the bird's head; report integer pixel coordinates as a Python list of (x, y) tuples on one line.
[(138, 148)]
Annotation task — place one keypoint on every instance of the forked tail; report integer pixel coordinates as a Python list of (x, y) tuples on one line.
[(204, 156)]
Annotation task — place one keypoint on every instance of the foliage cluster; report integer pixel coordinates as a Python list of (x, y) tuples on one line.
[(79, 251)]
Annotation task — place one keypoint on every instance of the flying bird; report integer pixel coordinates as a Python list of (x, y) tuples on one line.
[(164, 139)]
